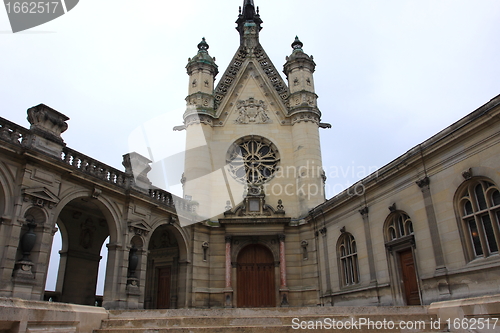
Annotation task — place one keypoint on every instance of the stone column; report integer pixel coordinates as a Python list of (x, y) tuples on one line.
[(42, 258), (443, 286), (114, 289), (283, 287), (431, 218), (371, 260), (328, 290), (228, 290)]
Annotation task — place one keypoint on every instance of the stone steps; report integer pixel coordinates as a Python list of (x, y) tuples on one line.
[(275, 320)]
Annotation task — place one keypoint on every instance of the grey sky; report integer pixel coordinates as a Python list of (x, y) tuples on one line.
[(389, 73)]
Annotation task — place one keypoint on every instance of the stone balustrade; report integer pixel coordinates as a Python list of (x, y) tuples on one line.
[(18, 135), (170, 200), (95, 168), (13, 133), (111, 175)]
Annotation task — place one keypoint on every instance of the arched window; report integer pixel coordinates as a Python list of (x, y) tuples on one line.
[(398, 225), (479, 212), (348, 259)]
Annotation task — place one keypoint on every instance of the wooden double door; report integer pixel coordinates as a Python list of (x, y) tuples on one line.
[(163, 287), (409, 275), (255, 277)]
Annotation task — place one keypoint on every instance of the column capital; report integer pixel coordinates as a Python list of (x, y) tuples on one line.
[(423, 183), (228, 239), (281, 237), (364, 211)]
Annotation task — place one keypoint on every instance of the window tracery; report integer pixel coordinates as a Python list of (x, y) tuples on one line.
[(479, 211), (252, 160), (348, 259)]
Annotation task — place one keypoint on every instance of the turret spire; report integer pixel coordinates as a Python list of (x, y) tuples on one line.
[(248, 19)]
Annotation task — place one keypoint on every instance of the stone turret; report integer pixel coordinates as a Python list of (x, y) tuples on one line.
[(299, 69), (305, 118), (202, 71), (198, 121)]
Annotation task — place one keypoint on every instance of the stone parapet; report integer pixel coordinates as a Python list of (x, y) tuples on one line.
[(17, 315), (462, 313)]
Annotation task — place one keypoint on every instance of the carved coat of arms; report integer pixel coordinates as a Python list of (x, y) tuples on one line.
[(252, 111)]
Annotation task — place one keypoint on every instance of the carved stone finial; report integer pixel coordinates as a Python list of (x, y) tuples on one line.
[(48, 121), (467, 174), (392, 207), (228, 206), (47, 125), (342, 230), (297, 44), (137, 165), (203, 45), (280, 206)]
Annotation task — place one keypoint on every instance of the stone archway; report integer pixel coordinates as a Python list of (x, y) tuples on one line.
[(165, 273), (2, 200), (84, 228)]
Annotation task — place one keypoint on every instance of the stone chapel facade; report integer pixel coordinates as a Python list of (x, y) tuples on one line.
[(253, 228)]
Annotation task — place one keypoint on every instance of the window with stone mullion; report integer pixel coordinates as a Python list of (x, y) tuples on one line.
[(481, 216), (348, 260)]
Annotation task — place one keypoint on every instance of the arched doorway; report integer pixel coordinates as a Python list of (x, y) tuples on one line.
[(84, 229), (162, 274), (255, 277), (400, 244)]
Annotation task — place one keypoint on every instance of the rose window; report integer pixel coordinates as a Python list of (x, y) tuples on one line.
[(252, 160)]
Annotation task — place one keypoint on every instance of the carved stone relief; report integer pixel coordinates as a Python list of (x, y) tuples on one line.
[(87, 233), (252, 112)]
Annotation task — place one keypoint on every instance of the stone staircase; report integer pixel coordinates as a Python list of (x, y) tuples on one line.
[(275, 320)]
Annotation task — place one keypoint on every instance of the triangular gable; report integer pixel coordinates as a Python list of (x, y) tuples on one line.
[(139, 227), (270, 79), (40, 195)]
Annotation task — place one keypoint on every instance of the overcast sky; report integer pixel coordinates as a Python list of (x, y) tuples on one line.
[(390, 73)]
